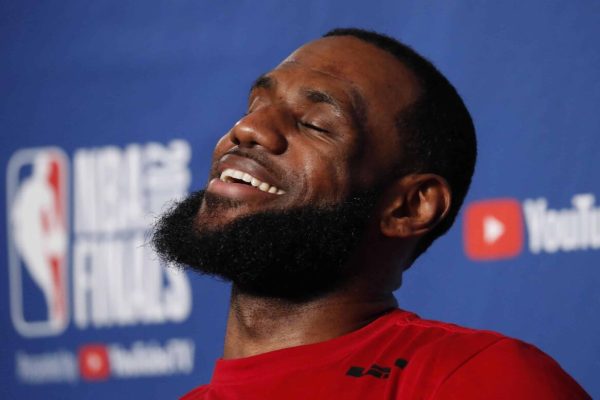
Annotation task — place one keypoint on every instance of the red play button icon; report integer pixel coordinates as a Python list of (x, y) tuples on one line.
[(493, 229), (94, 364)]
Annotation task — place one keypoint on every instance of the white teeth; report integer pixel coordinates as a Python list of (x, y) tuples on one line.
[(229, 174), (247, 177)]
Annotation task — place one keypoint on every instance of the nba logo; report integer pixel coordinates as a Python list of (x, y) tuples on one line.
[(38, 238)]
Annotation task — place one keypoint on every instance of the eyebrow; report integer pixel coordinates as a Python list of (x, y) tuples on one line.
[(319, 96), (358, 112), (263, 82)]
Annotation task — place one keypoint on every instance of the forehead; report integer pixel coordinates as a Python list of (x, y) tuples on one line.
[(382, 80)]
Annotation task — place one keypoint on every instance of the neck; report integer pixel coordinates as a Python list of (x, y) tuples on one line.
[(258, 325)]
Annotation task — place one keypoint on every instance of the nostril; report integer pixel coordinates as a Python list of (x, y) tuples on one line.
[(259, 129)]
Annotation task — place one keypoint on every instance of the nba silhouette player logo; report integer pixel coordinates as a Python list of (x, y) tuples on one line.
[(38, 240)]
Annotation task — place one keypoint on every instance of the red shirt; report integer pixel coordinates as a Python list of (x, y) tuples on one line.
[(398, 356)]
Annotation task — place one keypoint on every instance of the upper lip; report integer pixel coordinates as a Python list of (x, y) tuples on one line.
[(252, 165)]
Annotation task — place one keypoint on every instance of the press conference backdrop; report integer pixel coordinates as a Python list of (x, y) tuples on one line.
[(110, 109)]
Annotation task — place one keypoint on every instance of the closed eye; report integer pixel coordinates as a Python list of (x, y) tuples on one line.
[(313, 127)]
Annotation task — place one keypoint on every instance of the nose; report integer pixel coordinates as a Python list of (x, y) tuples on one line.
[(263, 128)]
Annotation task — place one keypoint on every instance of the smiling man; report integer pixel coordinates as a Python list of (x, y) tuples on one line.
[(354, 155)]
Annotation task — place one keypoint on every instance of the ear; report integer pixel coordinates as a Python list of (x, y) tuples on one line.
[(414, 205)]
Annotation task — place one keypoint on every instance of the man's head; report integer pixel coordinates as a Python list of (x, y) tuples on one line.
[(436, 130), (354, 127)]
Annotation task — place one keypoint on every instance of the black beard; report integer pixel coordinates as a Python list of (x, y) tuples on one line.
[(294, 254)]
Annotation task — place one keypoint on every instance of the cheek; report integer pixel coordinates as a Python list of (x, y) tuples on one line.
[(221, 147), (223, 143), (326, 166), (329, 181)]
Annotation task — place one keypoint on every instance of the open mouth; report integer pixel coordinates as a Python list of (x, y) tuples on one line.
[(231, 175)]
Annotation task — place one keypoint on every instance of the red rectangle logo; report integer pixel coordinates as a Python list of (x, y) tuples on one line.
[(493, 229)]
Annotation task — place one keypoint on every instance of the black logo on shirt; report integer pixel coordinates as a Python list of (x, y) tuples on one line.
[(375, 370)]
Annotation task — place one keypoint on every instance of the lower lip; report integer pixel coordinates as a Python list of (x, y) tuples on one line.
[(237, 191)]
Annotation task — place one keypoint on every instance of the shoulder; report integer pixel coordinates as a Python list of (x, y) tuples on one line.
[(463, 363), (449, 341), (509, 368)]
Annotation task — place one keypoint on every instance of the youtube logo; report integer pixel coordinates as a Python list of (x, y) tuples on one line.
[(493, 229), (94, 363)]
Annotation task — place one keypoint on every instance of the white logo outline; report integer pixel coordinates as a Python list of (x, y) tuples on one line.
[(47, 327)]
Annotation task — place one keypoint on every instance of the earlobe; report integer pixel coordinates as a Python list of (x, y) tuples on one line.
[(414, 205)]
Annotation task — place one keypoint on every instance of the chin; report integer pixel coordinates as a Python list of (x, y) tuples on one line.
[(287, 253)]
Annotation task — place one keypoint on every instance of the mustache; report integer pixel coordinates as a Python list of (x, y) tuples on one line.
[(257, 156)]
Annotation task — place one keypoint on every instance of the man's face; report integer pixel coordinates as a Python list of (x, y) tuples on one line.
[(294, 182), (319, 127)]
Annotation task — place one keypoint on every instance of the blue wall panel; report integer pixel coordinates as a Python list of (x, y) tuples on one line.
[(125, 101)]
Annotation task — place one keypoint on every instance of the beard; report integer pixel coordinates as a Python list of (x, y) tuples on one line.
[(294, 254)]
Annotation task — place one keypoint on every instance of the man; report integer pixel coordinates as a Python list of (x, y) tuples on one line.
[(354, 155)]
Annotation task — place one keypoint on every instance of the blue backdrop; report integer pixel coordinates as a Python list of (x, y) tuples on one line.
[(111, 108)]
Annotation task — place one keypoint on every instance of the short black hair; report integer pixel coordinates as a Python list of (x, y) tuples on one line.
[(437, 130)]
